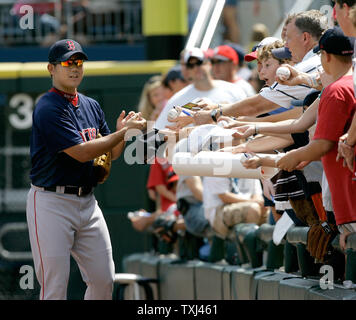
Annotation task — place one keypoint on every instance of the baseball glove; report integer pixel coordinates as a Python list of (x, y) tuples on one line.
[(163, 228), (102, 165), (320, 236)]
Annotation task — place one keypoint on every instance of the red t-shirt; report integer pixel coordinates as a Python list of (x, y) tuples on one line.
[(335, 113), (158, 176)]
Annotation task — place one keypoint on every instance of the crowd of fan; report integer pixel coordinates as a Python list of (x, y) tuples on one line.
[(307, 120)]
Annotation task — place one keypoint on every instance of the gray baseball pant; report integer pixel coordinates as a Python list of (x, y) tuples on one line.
[(61, 225)]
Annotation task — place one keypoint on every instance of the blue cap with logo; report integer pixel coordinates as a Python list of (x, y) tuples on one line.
[(62, 50)]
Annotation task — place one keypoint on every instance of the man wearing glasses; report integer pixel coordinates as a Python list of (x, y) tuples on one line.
[(198, 70), (62, 213)]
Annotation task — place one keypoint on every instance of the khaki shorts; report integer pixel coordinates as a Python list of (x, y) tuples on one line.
[(228, 215), (347, 227)]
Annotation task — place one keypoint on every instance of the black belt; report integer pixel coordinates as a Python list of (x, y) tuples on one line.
[(79, 191)]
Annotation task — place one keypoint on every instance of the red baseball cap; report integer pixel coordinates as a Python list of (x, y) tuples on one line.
[(172, 177), (226, 53)]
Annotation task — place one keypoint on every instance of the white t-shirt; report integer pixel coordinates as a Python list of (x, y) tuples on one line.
[(213, 186), (245, 86), (245, 73), (183, 191), (283, 95), (223, 92)]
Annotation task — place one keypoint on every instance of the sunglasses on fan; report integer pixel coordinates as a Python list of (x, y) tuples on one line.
[(192, 65)]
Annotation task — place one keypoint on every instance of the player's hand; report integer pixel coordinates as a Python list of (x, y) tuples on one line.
[(296, 77), (121, 120), (346, 153), (136, 122), (289, 161), (244, 131)]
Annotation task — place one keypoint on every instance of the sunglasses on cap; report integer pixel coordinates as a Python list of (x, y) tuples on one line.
[(69, 63), (192, 65)]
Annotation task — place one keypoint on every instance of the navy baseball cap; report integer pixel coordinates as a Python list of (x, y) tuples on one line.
[(335, 42), (282, 53), (173, 74), (62, 50)]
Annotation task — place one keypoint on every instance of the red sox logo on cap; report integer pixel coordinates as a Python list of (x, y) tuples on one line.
[(70, 45)]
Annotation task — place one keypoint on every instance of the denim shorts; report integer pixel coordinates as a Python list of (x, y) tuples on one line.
[(195, 221)]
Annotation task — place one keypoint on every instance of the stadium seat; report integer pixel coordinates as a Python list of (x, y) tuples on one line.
[(133, 282), (132, 262), (244, 282), (351, 258), (246, 235), (331, 294), (226, 282), (149, 269), (275, 254), (296, 288), (176, 279), (268, 286), (298, 237), (208, 281)]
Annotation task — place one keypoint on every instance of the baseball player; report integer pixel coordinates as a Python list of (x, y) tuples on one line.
[(63, 215)]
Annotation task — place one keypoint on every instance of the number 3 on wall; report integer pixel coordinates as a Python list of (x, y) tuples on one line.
[(23, 104)]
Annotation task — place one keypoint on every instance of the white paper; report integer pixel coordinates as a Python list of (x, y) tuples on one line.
[(281, 228)]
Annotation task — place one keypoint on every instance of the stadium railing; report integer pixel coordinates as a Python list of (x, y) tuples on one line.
[(116, 21)]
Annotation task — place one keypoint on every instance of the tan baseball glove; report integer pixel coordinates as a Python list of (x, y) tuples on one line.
[(102, 165), (320, 236)]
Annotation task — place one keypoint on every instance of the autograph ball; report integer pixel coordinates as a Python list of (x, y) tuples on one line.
[(283, 73), (172, 114)]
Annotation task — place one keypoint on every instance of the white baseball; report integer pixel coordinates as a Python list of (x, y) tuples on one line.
[(283, 73), (222, 123), (172, 114)]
